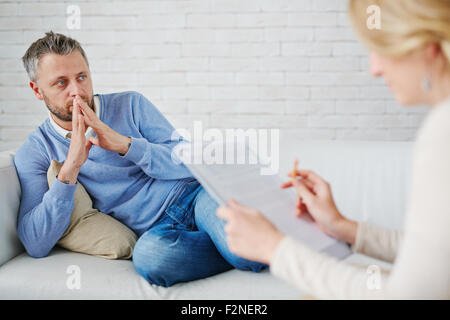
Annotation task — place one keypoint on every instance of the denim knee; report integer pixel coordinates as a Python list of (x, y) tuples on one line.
[(152, 267)]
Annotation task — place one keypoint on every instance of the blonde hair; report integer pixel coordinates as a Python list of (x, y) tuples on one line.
[(405, 25)]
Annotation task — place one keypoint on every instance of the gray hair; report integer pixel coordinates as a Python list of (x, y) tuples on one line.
[(51, 43)]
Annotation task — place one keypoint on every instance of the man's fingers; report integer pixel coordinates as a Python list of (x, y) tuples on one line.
[(86, 110), (75, 113), (88, 145), (94, 141)]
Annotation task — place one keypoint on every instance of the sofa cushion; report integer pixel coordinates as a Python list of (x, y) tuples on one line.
[(70, 275), (91, 231), (55, 277)]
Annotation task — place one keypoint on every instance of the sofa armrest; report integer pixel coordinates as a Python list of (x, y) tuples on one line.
[(10, 245)]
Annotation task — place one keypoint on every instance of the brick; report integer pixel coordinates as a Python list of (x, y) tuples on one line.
[(161, 79), (306, 49), (185, 93), (215, 20), (11, 37), (190, 35), (205, 50), (286, 5), (349, 49), (13, 79), (235, 6), (360, 107), (211, 106), (20, 23), (238, 35), (231, 93), (234, 64), (209, 78), (321, 93), (333, 64), (334, 34), (310, 107), (8, 9), (331, 121), (312, 19), (329, 5), (42, 9), (285, 64), (260, 78), (255, 50), (289, 34), (252, 20), (184, 64), (283, 93), (170, 21)]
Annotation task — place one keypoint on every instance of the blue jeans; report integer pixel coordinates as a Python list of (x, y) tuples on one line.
[(187, 242)]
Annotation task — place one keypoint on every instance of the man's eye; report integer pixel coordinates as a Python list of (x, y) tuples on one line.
[(82, 77), (60, 83)]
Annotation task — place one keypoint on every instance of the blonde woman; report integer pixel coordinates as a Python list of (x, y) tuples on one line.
[(412, 52)]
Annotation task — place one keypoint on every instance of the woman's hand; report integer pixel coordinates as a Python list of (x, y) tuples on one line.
[(316, 196), (249, 234)]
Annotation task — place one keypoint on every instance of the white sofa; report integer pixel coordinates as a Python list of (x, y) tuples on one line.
[(369, 179)]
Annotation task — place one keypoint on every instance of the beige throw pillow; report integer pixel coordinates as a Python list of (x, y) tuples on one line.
[(91, 231)]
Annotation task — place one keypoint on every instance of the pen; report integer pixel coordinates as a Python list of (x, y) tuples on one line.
[(294, 171)]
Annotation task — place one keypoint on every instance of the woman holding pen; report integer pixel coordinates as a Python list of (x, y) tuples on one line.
[(411, 51)]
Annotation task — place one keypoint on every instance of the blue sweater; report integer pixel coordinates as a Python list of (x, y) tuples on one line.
[(135, 188)]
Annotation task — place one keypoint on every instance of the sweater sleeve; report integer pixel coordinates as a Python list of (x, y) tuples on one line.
[(422, 266), (44, 213), (377, 242), (325, 277), (153, 152)]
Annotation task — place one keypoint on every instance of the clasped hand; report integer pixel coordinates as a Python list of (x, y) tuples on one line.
[(108, 139)]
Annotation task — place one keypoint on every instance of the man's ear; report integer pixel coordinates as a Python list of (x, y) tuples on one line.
[(37, 92)]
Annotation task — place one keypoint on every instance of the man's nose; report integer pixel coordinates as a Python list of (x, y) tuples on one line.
[(75, 89)]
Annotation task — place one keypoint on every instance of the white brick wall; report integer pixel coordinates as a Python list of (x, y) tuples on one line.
[(292, 64)]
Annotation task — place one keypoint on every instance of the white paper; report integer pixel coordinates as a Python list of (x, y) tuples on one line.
[(246, 184)]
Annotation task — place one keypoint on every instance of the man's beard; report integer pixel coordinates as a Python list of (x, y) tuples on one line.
[(63, 113)]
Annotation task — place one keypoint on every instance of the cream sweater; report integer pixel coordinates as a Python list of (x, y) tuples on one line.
[(422, 253)]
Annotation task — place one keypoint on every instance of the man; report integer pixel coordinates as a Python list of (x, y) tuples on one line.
[(126, 167)]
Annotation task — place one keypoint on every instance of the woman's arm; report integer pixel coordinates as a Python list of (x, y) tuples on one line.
[(377, 242)]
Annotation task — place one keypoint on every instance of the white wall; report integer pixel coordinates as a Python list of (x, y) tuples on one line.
[(229, 63)]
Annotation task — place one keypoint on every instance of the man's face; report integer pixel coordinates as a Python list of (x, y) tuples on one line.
[(59, 79)]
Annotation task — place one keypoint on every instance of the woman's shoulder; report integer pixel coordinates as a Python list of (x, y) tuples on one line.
[(436, 126)]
